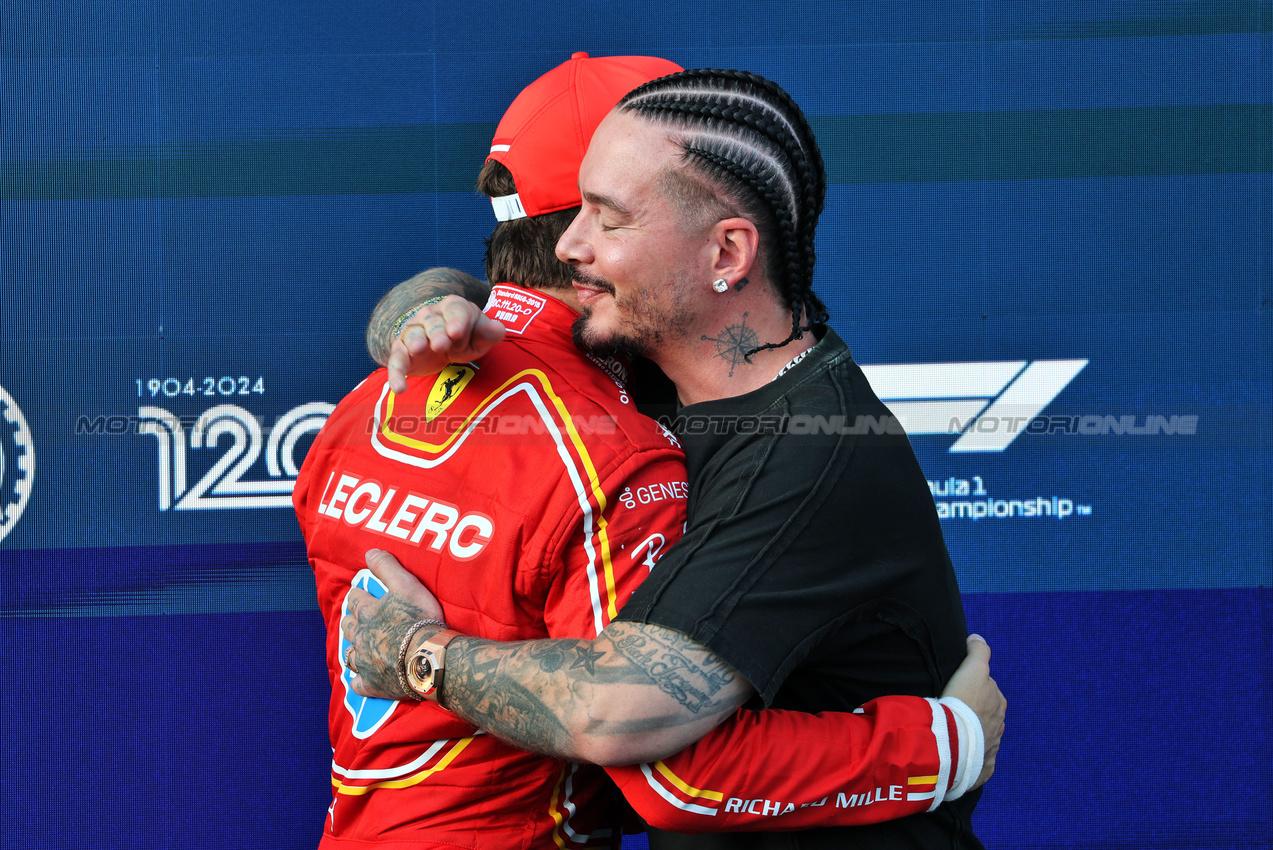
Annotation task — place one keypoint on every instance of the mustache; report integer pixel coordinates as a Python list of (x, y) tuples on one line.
[(586, 278)]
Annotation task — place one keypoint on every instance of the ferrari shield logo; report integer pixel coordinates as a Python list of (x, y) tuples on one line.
[(447, 387)]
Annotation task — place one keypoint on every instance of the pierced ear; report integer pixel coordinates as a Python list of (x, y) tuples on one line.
[(736, 243)]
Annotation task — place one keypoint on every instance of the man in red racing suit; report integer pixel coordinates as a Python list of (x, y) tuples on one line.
[(534, 496)]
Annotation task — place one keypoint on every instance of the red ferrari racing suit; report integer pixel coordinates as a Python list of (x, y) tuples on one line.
[(532, 498)]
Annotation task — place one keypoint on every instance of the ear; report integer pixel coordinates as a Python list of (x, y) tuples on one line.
[(735, 244)]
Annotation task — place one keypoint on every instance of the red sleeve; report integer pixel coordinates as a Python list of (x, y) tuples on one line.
[(632, 516), (785, 770)]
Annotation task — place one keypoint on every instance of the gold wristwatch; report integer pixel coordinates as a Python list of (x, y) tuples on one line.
[(427, 664)]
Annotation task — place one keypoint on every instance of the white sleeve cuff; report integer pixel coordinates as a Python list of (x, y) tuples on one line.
[(972, 746)]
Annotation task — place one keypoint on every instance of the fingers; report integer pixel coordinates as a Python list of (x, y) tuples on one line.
[(357, 596), (978, 649), (488, 330), (992, 729), (459, 317), (445, 326), (993, 734), (355, 603), (413, 354), (399, 365), (971, 681), (387, 568), (429, 332), (991, 707), (405, 588), (452, 331), (358, 687), (987, 765), (462, 322), (973, 685)]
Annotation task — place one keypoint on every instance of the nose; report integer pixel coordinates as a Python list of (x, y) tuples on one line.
[(572, 247)]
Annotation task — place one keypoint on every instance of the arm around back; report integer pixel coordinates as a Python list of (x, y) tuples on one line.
[(417, 329), (635, 693)]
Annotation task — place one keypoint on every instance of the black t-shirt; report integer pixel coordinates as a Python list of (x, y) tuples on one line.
[(813, 562)]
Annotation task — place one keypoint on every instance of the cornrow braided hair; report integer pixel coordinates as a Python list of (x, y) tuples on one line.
[(747, 138)]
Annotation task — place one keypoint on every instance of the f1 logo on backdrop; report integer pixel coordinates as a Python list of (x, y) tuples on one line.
[(17, 463), (988, 404)]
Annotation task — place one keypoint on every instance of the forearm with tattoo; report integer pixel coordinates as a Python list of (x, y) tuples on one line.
[(427, 284), (635, 693)]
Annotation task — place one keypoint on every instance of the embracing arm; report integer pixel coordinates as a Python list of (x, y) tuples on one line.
[(776, 769), (406, 296), (787, 770), (639, 692), (412, 332), (634, 693)]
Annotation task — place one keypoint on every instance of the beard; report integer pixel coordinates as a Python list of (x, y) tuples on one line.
[(594, 342), (643, 325)]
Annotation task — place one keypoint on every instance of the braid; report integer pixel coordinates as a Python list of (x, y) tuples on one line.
[(750, 140)]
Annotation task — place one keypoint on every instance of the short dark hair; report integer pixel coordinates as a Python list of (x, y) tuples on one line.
[(523, 251)]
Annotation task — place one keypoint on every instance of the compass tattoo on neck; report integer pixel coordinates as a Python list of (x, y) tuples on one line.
[(734, 343)]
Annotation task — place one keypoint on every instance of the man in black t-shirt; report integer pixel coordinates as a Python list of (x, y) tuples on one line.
[(813, 562), (813, 574)]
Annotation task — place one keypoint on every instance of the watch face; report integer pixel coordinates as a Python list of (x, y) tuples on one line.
[(420, 673), (425, 670)]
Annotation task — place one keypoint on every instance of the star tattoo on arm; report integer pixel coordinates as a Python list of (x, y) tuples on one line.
[(587, 657)]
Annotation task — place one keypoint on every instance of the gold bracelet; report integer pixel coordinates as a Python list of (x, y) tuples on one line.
[(402, 320), (402, 655)]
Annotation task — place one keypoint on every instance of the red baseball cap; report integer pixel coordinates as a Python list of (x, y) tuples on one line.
[(544, 134)]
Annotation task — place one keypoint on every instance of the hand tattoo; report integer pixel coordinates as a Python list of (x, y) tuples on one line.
[(550, 654), (427, 284), (377, 633)]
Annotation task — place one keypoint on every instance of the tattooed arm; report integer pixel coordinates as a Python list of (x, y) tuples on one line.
[(636, 692), (446, 321)]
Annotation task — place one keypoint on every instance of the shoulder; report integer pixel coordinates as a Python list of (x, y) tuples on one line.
[(358, 404), (593, 398), (834, 384)]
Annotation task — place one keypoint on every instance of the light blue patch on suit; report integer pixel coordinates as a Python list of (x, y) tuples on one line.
[(369, 713)]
